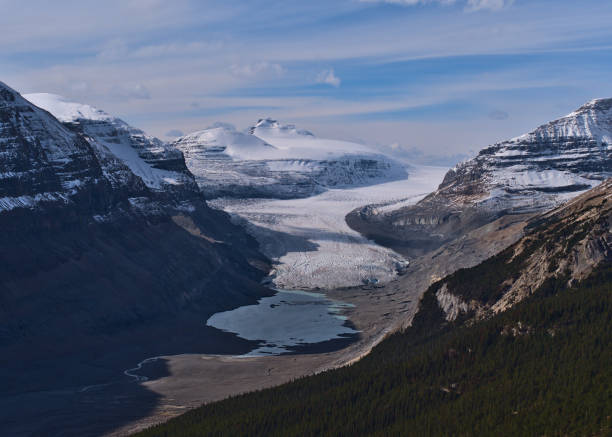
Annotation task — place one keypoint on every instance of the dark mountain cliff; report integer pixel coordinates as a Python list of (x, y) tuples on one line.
[(93, 252)]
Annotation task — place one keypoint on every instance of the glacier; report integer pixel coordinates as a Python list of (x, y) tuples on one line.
[(309, 241), (273, 160)]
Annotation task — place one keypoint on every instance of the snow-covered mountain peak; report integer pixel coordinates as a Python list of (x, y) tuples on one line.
[(270, 127), (301, 144), (266, 123), (65, 110), (42, 162), (226, 139), (276, 160), (161, 167), (9, 98), (593, 120), (600, 105), (58, 141), (554, 162)]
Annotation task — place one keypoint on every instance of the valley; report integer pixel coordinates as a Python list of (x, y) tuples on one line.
[(377, 218), (227, 262)]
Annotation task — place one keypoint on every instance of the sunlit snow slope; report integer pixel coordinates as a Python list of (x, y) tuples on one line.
[(541, 169), (279, 161)]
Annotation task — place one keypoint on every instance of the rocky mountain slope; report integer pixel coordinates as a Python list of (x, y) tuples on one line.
[(279, 161), (161, 167), (561, 248), (527, 174), (44, 164), (105, 236)]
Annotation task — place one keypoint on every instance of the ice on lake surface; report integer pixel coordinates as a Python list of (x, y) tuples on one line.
[(288, 319)]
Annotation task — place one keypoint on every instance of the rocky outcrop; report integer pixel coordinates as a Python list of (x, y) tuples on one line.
[(560, 248), (450, 304), (528, 174)]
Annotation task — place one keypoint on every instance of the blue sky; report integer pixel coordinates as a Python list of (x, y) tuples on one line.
[(429, 77)]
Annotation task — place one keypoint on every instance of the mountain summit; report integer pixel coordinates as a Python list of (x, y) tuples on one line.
[(271, 126), (160, 166), (280, 161), (525, 175), (568, 155)]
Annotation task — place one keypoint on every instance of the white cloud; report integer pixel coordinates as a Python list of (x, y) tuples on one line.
[(493, 5), (329, 77), (472, 5), (409, 2), (129, 92), (257, 69), (176, 50)]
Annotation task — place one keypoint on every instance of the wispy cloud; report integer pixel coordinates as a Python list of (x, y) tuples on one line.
[(409, 2), (258, 69), (473, 5), (328, 77), (130, 91), (493, 5), (181, 65)]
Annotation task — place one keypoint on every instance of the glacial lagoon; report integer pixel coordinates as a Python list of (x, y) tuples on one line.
[(288, 322)]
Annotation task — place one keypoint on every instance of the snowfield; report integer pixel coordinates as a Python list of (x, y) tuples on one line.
[(311, 244), (274, 160)]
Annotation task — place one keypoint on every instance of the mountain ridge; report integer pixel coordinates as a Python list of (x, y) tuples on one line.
[(527, 174)]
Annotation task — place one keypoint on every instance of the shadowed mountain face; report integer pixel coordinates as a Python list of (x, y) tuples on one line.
[(528, 174), (105, 237)]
